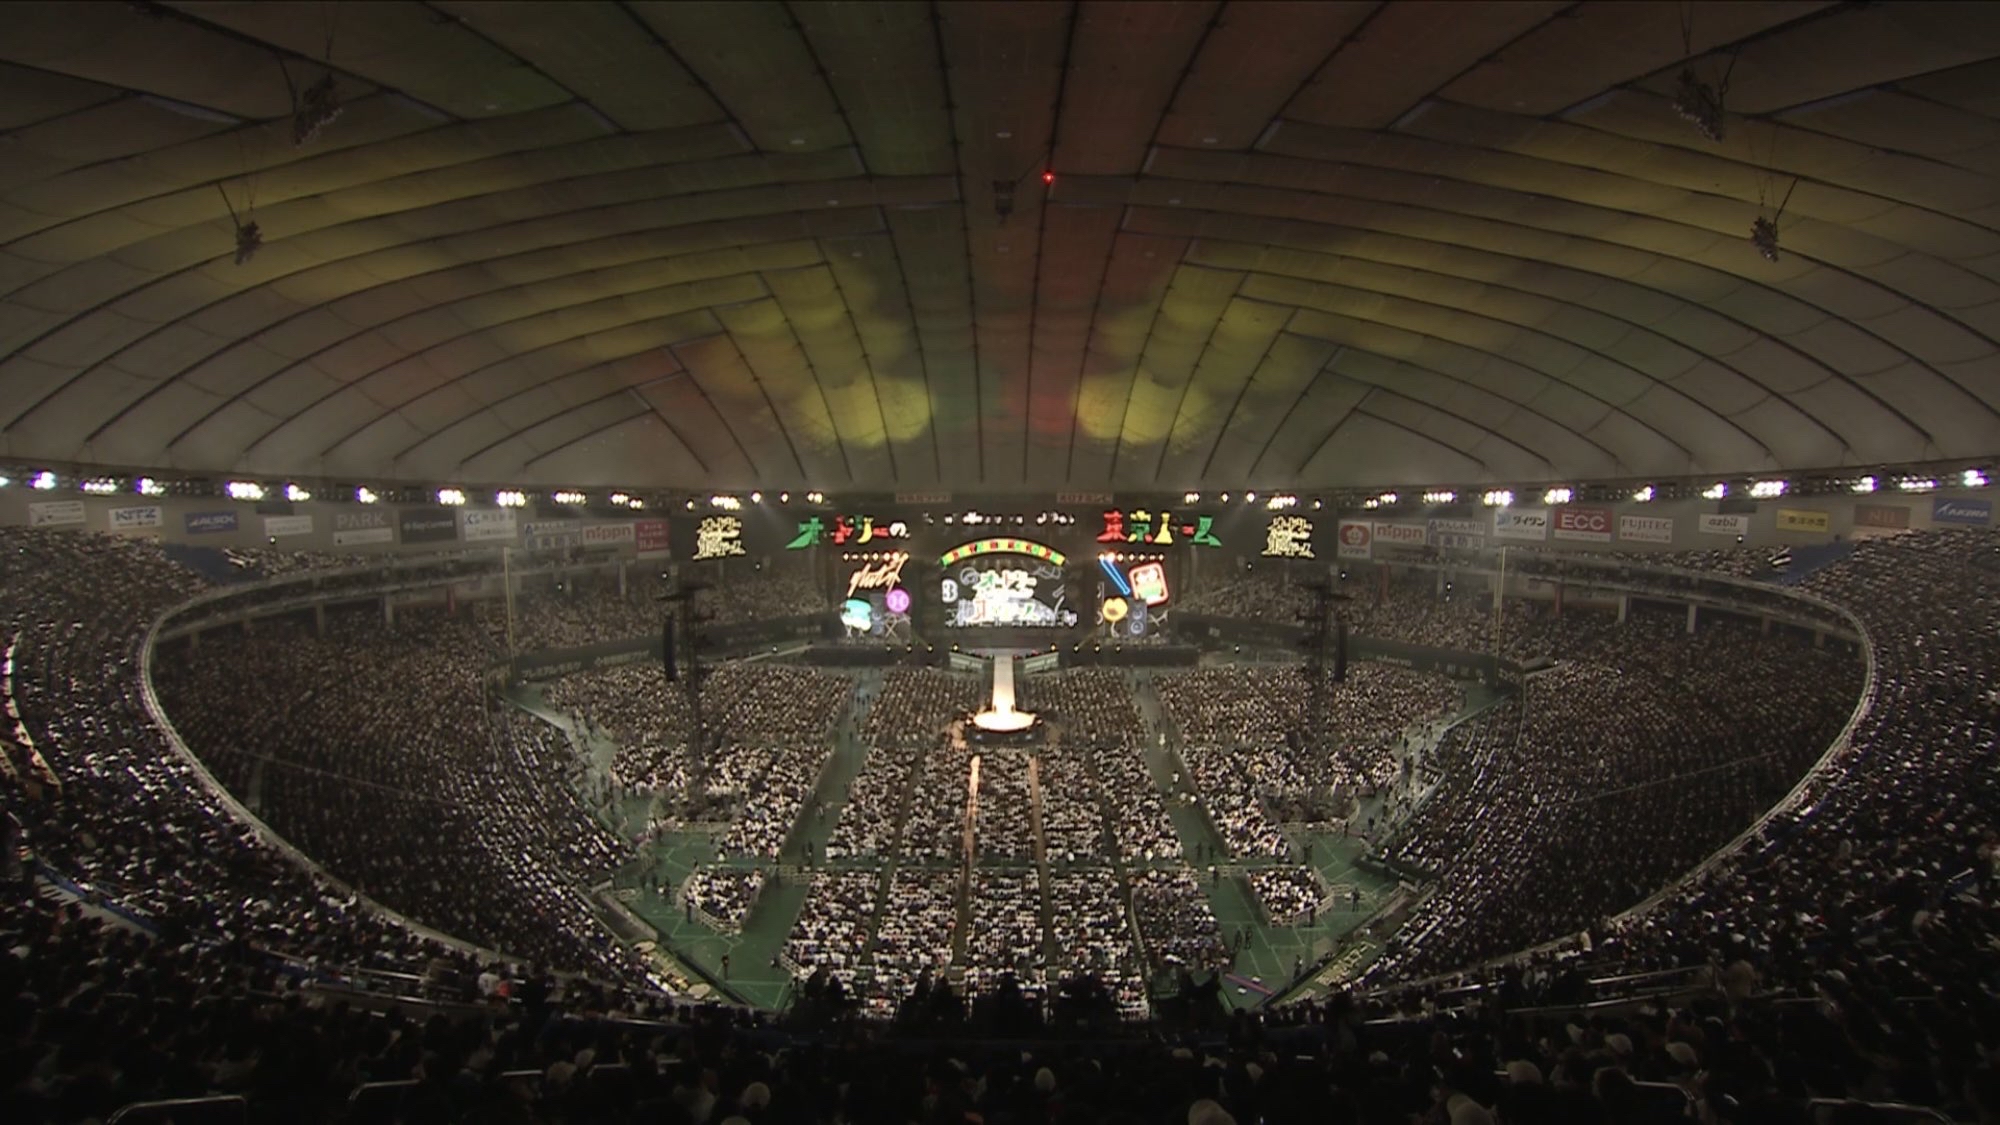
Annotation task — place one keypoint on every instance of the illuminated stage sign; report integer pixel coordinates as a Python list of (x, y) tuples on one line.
[(846, 531), (1130, 596), (1288, 537), (1143, 526), (882, 574), (718, 537), (1004, 546)]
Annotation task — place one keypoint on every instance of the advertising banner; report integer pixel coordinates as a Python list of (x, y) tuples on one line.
[(209, 523), (277, 527), (650, 536), (1357, 540), (1893, 517), (1458, 535), (1588, 525), (1975, 512), (487, 525), (132, 519), (51, 513), (426, 525), (1646, 529), (353, 529), (1400, 535), (1711, 524), (607, 534), (1521, 523), (1288, 537), (1801, 519)]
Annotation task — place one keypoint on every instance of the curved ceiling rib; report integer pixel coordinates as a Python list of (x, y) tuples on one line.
[(708, 245)]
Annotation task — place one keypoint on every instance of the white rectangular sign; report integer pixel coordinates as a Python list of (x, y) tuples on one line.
[(1357, 540), (1521, 523), (1400, 534), (52, 512), (278, 527), (477, 525), (1712, 524), (1646, 529), (131, 519)]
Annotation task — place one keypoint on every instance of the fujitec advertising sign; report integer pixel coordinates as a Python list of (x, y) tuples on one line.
[(1646, 529), (1588, 525)]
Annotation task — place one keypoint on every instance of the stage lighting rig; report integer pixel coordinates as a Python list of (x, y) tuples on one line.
[(313, 109), (1700, 104), (1764, 236)]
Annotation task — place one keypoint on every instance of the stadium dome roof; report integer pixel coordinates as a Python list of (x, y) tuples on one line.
[(718, 245)]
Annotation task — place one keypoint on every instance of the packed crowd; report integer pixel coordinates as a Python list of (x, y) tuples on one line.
[(912, 705), (105, 802), (1633, 759), (1174, 916), (725, 894), (1288, 894), (760, 718), (374, 750)]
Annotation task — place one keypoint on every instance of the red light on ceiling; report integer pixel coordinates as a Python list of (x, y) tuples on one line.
[(1048, 177)]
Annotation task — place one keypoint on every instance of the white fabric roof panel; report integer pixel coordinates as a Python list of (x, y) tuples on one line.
[(757, 244)]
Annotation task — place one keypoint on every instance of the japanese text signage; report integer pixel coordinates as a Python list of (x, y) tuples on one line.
[(846, 531), (718, 537), (1141, 525), (1520, 523), (1803, 519), (1288, 537)]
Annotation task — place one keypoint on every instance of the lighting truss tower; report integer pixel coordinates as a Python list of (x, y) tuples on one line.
[(685, 619), (1326, 659)]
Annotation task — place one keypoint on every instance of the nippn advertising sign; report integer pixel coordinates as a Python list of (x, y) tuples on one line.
[(1590, 525)]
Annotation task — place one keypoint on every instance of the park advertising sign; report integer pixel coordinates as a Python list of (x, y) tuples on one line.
[(1288, 537), (355, 529), (1357, 539), (1977, 513), (1711, 524), (1646, 529), (54, 513), (1801, 519), (1588, 525), (133, 519), (1521, 523)]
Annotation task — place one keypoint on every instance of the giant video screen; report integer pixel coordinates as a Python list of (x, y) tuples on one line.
[(1005, 591)]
